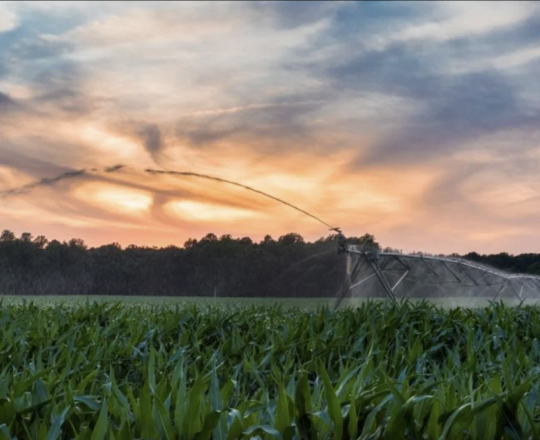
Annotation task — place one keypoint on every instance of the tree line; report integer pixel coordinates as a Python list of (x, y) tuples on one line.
[(224, 266), (523, 263)]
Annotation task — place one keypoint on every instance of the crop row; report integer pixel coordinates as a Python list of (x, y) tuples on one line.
[(380, 371)]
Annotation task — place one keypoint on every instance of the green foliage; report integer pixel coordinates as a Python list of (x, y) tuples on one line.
[(381, 371)]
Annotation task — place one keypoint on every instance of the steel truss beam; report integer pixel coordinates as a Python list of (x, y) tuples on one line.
[(480, 275)]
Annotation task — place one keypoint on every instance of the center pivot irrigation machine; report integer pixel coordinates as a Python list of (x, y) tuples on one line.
[(371, 273)]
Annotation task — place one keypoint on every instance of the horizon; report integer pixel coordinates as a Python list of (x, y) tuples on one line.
[(415, 122), (256, 241)]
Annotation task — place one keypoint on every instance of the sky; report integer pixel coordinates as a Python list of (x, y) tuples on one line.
[(415, 122)]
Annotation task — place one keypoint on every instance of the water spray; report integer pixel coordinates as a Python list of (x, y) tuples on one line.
[(47, 181), (249, 188)]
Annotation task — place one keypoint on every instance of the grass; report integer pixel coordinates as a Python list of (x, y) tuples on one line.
[(102, 369), (301, 303), (168, 301)]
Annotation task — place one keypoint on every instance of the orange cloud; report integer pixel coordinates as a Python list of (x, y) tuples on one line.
[(363, 131)]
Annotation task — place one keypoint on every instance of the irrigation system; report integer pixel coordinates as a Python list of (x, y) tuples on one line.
[(371, 273)]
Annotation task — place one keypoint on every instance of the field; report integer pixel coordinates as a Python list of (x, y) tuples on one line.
[(300, 303), (235, 369)]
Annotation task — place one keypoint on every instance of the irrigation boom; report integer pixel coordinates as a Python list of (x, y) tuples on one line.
[(392, 274)]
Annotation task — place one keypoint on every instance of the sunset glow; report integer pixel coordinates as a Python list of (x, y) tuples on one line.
[(192, 210), (115, 198), (417, 123)]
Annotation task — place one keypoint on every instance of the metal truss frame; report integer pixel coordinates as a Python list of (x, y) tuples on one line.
[(461, 270)]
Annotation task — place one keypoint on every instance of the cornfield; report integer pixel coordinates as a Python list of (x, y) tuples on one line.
[(380, 371)]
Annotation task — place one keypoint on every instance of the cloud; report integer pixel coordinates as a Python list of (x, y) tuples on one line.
[(387, 116), (151, 137), (291, 14), (462, 108), (6, 103), (268, 128), (8, 18), (465, 19), (446, 109)]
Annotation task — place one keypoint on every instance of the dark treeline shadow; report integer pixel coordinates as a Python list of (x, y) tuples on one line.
[(230, 267)]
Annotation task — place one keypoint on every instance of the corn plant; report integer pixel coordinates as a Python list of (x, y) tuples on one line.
[(380, 371)]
